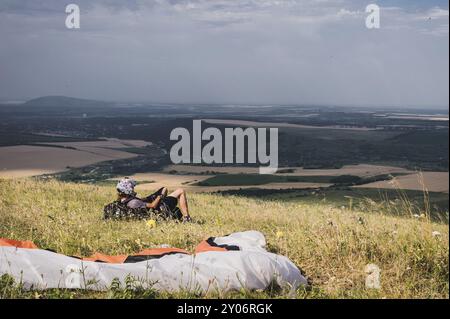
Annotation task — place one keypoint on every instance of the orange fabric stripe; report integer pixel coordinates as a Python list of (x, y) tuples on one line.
[(118, 259), (160, 251), (204, 247), (17, 243)]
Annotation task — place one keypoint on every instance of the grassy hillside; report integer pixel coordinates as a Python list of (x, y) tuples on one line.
[(332, 246)]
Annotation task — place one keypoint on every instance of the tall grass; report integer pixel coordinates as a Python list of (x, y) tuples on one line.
[(331, 245)]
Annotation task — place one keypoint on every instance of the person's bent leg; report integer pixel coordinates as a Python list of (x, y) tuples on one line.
[(180, 194)]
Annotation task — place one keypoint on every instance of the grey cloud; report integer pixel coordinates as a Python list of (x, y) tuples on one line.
[(35, 7), (225, 52)]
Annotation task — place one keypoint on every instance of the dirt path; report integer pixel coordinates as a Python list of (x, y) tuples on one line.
[(358, 170), (433, 182), (277, 124)]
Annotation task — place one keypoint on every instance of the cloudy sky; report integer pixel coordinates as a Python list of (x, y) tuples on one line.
[(227, 51)]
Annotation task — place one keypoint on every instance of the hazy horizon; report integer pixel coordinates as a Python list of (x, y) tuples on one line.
[(386, 107)]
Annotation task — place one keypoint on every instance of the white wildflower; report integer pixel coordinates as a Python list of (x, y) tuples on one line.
[(436, 234), (373, 276)]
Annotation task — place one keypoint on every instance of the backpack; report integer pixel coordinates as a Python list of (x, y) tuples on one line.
[(120, 210), (166, 212)]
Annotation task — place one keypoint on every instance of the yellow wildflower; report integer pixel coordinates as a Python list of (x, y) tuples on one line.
[(151, 223)]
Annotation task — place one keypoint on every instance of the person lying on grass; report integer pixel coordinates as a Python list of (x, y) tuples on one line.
[(158, 201)]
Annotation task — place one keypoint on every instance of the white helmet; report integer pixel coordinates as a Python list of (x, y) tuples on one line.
[(126, 186)]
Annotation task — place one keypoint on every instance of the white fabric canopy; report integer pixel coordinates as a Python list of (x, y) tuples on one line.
[(252, 267)]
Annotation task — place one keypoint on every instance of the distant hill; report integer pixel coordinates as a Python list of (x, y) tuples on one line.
[(63, 101)]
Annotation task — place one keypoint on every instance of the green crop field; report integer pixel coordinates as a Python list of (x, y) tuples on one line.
[(260, 179)]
